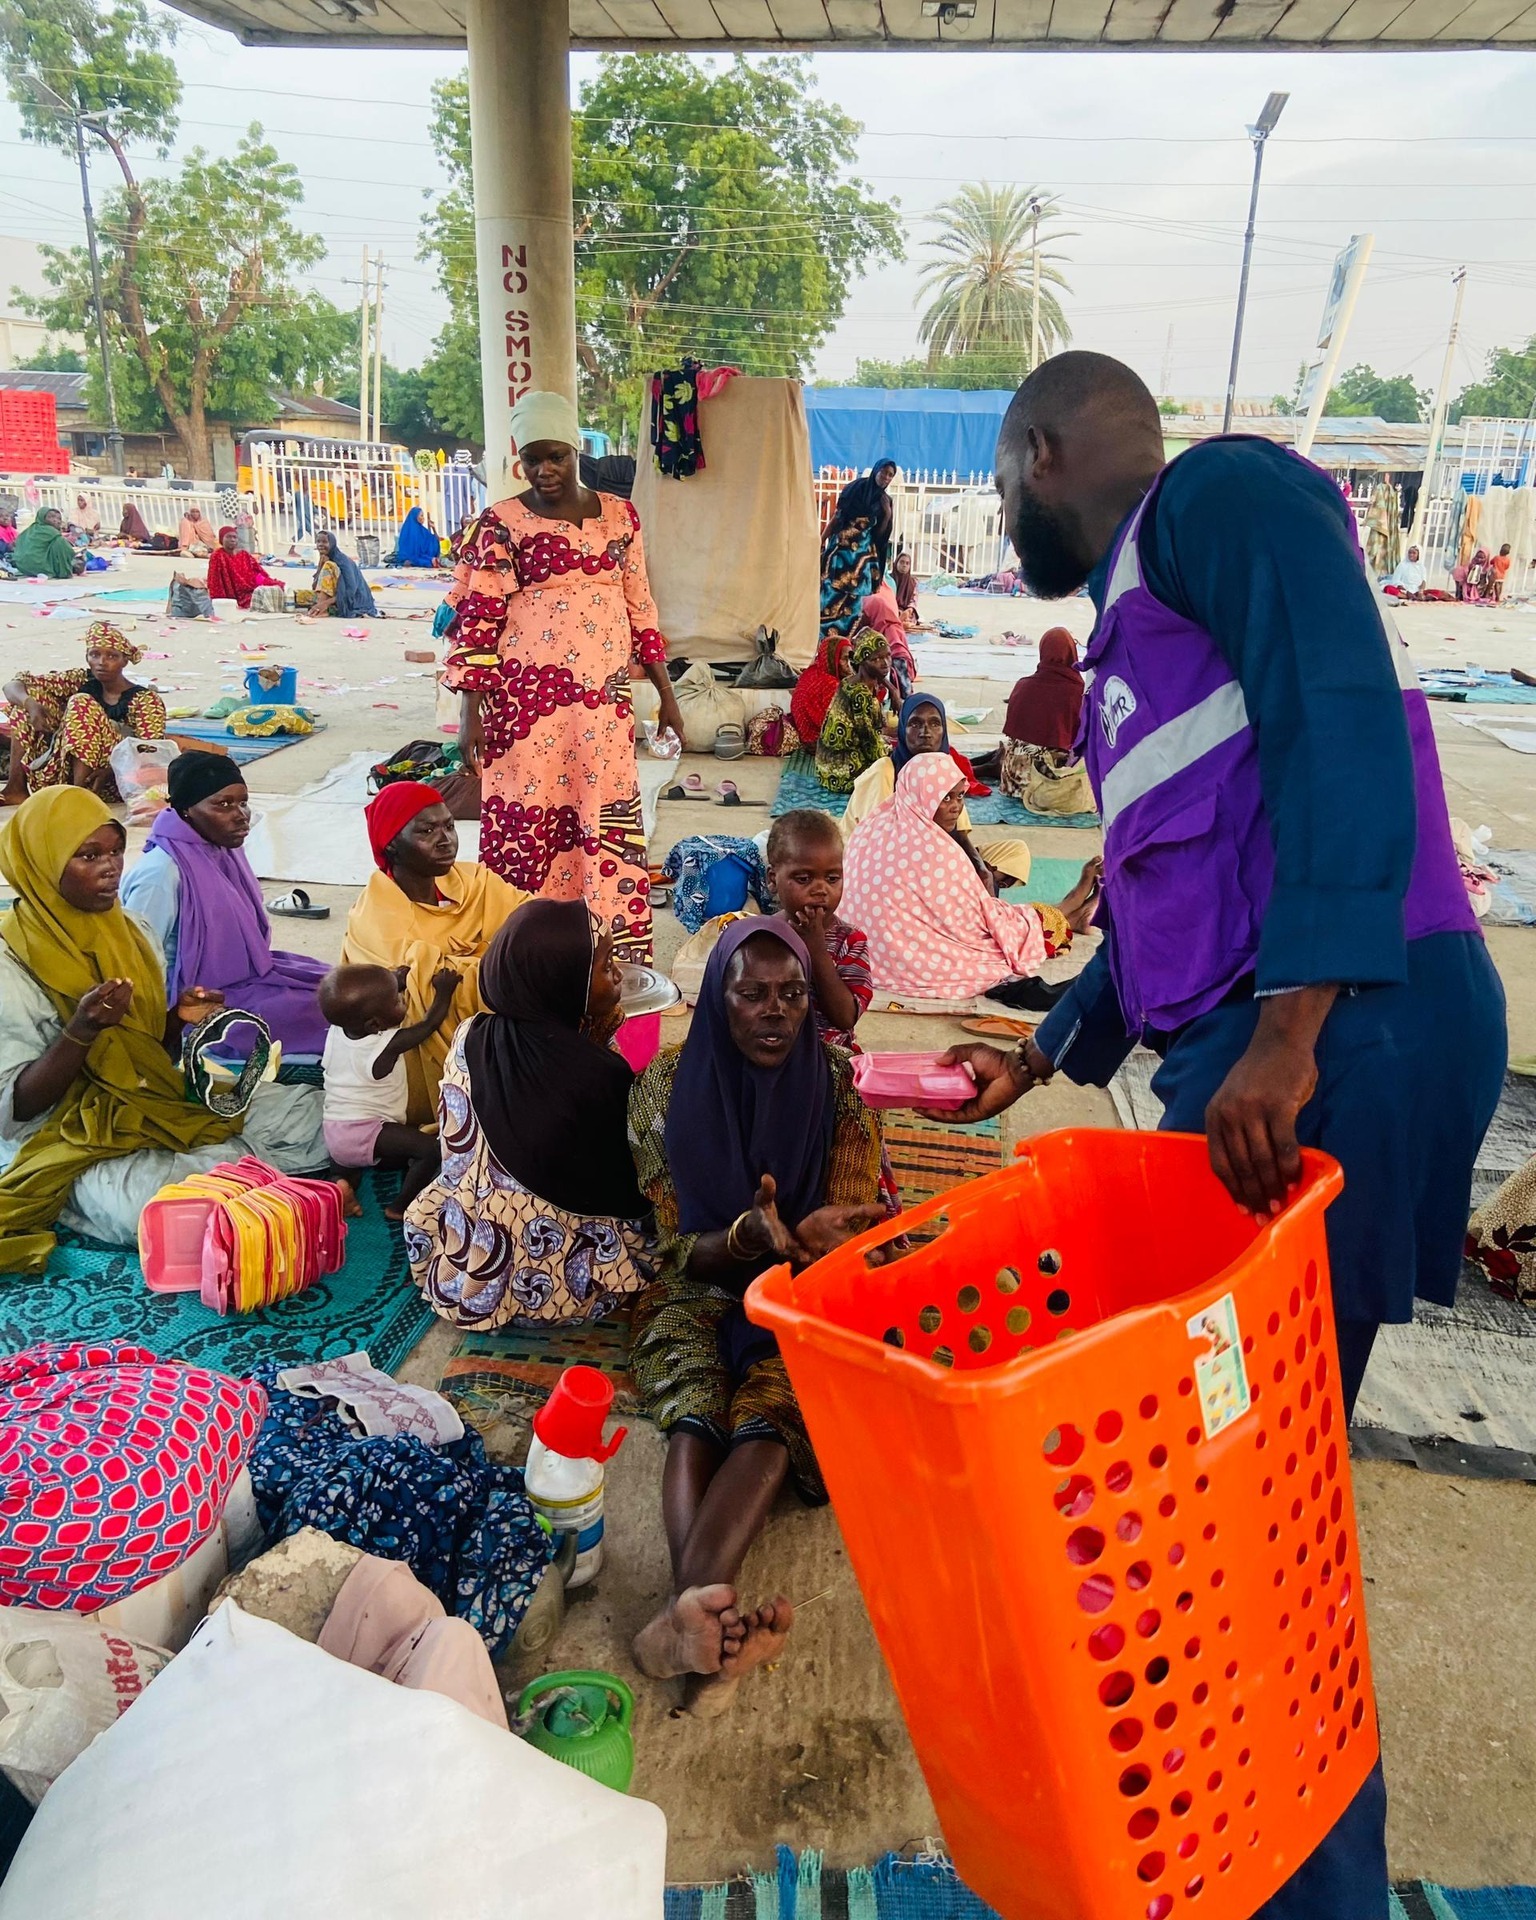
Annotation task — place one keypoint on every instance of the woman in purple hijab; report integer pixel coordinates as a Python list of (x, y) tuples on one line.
[(195, 891), (753, 1147)]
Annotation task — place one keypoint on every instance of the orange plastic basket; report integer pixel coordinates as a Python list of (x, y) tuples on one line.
[(1088, 1454)]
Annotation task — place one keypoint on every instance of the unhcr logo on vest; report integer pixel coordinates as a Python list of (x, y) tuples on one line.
[(1116, 705)]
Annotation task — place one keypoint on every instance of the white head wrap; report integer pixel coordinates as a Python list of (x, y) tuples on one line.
[(545, 416)]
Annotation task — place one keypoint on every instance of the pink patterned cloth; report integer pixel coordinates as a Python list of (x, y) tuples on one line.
[(933, 929), (114, 1467)]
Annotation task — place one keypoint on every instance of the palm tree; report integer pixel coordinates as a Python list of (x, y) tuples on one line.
[(982, 275)]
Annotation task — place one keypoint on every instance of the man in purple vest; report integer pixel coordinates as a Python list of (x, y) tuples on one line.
[(1284, 918)]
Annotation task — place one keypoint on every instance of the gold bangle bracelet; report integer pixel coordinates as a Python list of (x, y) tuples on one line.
[(730, 1237)]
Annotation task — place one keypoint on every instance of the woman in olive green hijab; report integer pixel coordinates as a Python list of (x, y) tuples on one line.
[(94, 1115)]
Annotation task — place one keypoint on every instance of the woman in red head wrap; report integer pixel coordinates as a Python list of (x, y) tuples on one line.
[(234, 574), (425, 909)]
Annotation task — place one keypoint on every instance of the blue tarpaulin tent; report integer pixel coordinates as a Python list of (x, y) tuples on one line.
[(921, 428)]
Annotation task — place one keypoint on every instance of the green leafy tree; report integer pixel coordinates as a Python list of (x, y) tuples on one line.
[(203, 318), (716, 214), (452, 379), (1288, 404), (52, 359), (63, 56), (989, 371), (1507, 388), (980, 275), (407, 405), (1362, 390)]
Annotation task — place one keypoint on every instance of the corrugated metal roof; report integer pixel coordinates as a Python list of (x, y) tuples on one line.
[(67, 388)]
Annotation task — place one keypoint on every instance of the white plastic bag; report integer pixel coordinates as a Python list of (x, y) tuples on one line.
[(63, 1680), (140, 768), (259, 1776)]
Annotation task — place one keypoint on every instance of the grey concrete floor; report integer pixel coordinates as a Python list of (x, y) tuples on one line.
[(815, 1753)]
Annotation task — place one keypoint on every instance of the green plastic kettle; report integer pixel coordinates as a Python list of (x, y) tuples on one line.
[(583, 1720)]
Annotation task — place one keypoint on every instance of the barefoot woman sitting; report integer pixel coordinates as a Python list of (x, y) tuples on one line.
[(754, 1149)]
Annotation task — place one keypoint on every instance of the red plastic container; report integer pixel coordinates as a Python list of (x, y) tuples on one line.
[(1088, 1454)]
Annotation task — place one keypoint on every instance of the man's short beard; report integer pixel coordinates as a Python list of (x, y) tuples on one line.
[(1047, 557)]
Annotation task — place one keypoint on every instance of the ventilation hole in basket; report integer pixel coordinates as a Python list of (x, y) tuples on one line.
[(1261, 1440), (1208, 1738), (1180, 1804), (1320, 1371), (1157, 1671), (894, 1337), (1221, 1823), (1125, 1735), (942, 1357), (1345, 1590), (1158, 1457), (1173, 1760), (1272, 1325), (1294, 1303), (1353, 1675), (1192, 1647), (1176, 1553), (1202, 1482), (1084, 1545), (1193, 1885), (1161, 1907), (1128, 1528), (1074, 1496), (1349, 1626), (1167, 1506), (1279, 1371), (1292, 1462), (1186, 1385), (1342, 1740), (1331, 1460), (1138, 1575), (1189, 1846), (1150, 1867), (1224, 1864), (1335, 1659), (1185, 1601), (1306, 1395), (1247, 1343), (1148, 1623), (1249, 1799), (1096, 1593), (968, 1299), (1063, 1445), (1312, 1643), (1336, 1505), (1301, 1554), (1320, 1531), (1201, 1694), (1165, 1716), (1117, 1476), (1107, 1428), (1009, 1280), (1106, 1641), (1242, 1760), (1142, 1823), (1357, 1713), (1057, 1301), (1193, 1436), (979, 1339), (1135, 1781), (1049, 1261), (1116, 1688), (1148, 1407), (1017, 1320), (1286, 1417), (1274, 1531), (929, 1319)]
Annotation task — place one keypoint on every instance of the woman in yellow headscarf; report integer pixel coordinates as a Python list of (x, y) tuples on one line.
[(94, 1115)]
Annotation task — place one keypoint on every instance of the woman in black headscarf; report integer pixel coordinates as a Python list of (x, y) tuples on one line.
[(754, 1148), (536, 1216), (855, 548)]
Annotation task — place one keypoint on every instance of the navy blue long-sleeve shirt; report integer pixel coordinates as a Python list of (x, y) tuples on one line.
[(1259, 548)]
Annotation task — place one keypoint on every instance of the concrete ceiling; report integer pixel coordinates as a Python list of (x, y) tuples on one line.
[(865, 25)]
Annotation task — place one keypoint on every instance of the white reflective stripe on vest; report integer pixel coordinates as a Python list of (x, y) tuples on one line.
[(1175, 745)]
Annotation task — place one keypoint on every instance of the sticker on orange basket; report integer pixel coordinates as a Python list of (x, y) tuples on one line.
[(1221, 1378)]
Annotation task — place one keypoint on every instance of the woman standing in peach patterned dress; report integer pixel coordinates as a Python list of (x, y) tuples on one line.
[(551, 609)]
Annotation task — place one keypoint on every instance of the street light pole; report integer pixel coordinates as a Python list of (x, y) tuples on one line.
[(1034, 324), (114, 432), (1274, 106)]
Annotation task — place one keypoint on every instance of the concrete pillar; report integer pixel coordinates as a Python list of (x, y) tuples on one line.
[(520, 137)]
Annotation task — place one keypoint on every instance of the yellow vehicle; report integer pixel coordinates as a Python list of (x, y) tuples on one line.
[(349, 483)]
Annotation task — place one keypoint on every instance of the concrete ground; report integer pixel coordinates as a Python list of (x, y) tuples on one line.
[(815, 1753)]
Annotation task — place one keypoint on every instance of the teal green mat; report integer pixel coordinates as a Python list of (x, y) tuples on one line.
[(928, 1888), (799, 787), (95, 1292), (1050, 881)]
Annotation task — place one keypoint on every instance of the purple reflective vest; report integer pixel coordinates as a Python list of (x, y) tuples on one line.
[(1189, 861)]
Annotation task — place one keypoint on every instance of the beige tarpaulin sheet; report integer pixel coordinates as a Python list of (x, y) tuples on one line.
[(736, 547)]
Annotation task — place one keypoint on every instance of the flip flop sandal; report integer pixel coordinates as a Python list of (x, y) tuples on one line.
[(728, 794), (690, 789), (998, 1027), (730, 741), (298, 906)]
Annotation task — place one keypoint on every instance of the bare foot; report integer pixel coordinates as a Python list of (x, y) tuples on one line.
[(351, 1206), (692, 1634), (1079, 903), (766, 1631)]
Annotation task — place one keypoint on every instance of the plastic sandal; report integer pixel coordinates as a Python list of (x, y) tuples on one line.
[(690, 789), (728, 794), (298, 906)]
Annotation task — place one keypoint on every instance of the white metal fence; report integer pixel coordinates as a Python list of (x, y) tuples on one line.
[(161, 505)]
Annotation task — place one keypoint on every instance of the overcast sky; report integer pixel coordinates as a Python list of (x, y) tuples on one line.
[(1434, 154)]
